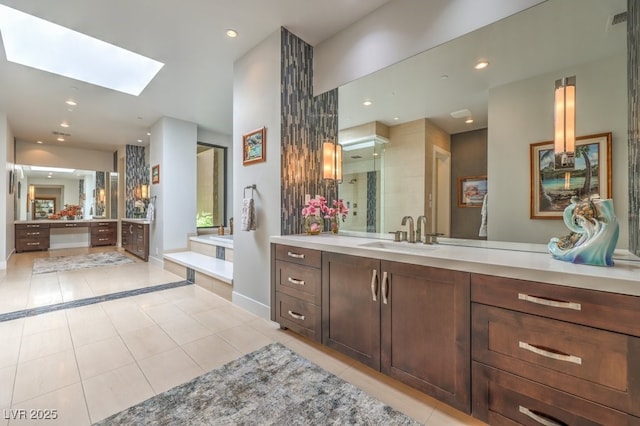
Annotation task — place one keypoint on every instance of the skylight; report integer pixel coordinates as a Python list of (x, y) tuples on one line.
[(46, 46)]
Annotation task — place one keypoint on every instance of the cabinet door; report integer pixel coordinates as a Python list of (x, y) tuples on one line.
[(426, 330), (351, 307)]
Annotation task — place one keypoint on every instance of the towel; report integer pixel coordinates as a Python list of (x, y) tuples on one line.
[(151, 212), (248, 215), (483, 222)]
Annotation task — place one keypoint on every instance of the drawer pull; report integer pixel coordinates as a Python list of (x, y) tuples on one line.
[(385, 287), (33, 233), (540, 418), (295, 281), (550, 354), (295, 255), (70, 225), (550, 302), (103, 230), (33, 244), (33, 226), (296, 315), (374, 285)]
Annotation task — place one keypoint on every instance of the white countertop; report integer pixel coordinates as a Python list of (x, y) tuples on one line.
[(137, 220), (18, 222), (528, 263)]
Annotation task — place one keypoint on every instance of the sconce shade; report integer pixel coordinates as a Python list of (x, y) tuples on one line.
[(101, 195), (32, 192), (565, 115), (332, 161), (144, 191)]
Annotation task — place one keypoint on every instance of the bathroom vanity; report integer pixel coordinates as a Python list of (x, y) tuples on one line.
[(510, 336), (44, 234)]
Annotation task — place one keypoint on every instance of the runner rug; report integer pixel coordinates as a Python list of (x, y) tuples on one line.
[(271, 386), (68, 263)]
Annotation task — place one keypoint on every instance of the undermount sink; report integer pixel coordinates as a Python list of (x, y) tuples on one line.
[(399, 246)]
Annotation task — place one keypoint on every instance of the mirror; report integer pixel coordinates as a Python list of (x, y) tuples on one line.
[(211, 198), (419, 107), (58, 193)]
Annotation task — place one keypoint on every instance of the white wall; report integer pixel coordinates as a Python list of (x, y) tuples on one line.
[(256, 103), (521, 113), (61, 156), (173, 146), (398, 30), (227, 141), (7, 241)]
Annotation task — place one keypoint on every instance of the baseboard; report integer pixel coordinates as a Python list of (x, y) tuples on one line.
[(156, 261), (251, 305)]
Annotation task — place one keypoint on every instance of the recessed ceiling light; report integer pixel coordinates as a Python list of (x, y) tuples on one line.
[(396, 118), (481, 65), (139, 140), (231, 33), (71, 102), (64, 124), (469, 120), (40, 142), (51, 169), (73, 54), (60, 139), (367, 103), (148, 133)]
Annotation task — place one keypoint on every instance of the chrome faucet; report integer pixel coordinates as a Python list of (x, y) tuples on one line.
[(420, 221), (412, 236)]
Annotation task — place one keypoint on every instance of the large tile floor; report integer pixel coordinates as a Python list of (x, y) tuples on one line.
[(89, 362)]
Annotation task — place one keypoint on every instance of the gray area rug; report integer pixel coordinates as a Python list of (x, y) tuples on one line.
[(68, 263), (271, 386)]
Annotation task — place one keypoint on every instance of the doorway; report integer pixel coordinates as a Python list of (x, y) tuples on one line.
[(440, 199)]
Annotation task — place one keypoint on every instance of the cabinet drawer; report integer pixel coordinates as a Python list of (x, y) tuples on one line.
[(298, 315), (27, 244), (302, 282), (32, 226), (302, 256), (32, 233), (501, 398), (597, 365), (608, 311), (103, 239)]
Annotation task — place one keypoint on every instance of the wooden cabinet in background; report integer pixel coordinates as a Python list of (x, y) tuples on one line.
[(32, 236), (135, 239), (410, 322), (104, 233), (296, 289)]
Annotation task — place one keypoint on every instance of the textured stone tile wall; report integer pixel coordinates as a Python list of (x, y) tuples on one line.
[(633, 64)]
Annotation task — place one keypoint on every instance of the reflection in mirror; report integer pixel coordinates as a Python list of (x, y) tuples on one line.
[(211, 184), (57, 193), (445, 120)]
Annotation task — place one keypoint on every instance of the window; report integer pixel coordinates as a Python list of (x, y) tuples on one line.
[(211, 186)]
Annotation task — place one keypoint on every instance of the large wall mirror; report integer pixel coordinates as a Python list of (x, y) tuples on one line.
[(211, 186), (56, 193), (400, 126)]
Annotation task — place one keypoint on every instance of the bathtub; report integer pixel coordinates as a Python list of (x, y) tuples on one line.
[(225, 241)]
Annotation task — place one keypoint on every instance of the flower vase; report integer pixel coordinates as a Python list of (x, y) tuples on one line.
[(335, 225), (313, 225)]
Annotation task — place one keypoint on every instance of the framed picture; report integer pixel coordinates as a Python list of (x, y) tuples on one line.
[(552, 187), (471, 191), (254, 146), (155, 174)]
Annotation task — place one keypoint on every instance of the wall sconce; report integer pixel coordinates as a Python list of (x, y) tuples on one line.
[(332, 161), (101, 195), (144, 191), (31, 196), (565, 122)]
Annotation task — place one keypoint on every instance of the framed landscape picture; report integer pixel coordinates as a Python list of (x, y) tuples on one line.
[(254, 146), (471, 191), (552, 188)]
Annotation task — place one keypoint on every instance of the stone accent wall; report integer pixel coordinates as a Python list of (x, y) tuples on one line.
[(633, 72)]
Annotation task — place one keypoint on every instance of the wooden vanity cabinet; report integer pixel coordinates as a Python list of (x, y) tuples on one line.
[(104, 233), (410, 322), (550, 352), (32, 236), (135, 239), (296, 289)]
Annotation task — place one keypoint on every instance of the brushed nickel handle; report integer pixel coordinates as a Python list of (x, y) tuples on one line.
[(550, 302), (33, 233), (540, 418), (295, 255), (548, 353), (296, 315), (374, 285), (33, 226), (385, 287), (295, 281), (69, 225), (103, 230), (33, 244)]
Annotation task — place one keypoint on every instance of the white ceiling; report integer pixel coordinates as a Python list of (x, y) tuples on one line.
[(551, 36), (189, 37)]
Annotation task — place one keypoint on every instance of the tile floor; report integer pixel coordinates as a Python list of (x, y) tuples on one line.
[(89, 362)]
